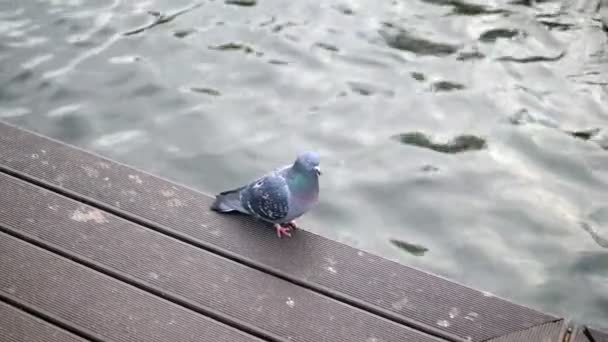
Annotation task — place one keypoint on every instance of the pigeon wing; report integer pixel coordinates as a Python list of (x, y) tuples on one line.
[(267, 198)]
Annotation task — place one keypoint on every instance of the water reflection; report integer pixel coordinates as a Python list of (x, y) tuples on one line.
[(594, 135), (465, 8), (532, 59), (407, 41), (499, 33), (161, 18), (459, 144), (600, 240), (409, 247), (207, 91), (502, 106), (244, 3), (446, 86)]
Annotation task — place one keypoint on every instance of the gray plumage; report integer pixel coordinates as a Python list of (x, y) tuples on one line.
[(278, 197)]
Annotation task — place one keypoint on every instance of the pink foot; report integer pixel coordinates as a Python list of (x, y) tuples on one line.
[(282, 230)]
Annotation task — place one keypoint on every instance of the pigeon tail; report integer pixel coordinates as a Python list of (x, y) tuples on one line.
[(228, 201)]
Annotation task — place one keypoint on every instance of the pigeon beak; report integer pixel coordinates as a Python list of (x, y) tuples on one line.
[(318, 169)]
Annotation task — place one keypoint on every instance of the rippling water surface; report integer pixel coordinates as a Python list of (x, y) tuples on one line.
[(469, 139)]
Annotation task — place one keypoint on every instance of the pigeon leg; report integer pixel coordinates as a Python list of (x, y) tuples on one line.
[(282, 230), (292, 224)]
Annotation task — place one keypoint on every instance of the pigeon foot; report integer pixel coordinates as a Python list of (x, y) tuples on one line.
[(282, 230)]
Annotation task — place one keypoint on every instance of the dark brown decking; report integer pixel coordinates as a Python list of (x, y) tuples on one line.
[(94, 249), (18, 326), (583, 334), (552, 331)]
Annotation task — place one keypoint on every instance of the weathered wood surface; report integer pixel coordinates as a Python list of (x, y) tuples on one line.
[(552, 331), (212, 285), (99, 307), (97, 250), (18, 326), (583, 334)]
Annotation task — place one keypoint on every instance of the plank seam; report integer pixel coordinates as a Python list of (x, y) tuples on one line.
[(159, 228), (587, 334), (50, 318), (141, 285)]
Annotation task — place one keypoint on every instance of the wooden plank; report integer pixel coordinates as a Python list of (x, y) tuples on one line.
[(98, 306), (581, 335), (598, 336), (548, 332), (395, 291), (226, 290), (585, 334), (19, 326)]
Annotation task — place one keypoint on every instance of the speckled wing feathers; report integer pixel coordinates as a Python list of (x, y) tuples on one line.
[(267, 198)]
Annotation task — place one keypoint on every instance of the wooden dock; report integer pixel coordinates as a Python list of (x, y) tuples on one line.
[(93, 250)]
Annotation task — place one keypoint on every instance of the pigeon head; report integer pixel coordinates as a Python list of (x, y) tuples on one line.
[(308, 162)]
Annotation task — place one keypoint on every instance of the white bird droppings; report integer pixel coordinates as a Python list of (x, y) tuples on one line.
[(103, 165), (136, 179), (471, 316), (90, 171), (487, 294), (175, 202), (89, 215), (454, 312), (153, 275), (167, 193), (399, 305), (331, 269), (290, 302), (443, 323)]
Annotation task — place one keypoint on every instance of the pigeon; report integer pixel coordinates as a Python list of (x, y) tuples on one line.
[(278, 197)]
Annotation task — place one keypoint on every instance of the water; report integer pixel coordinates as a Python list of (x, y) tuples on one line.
[(469, 140)]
